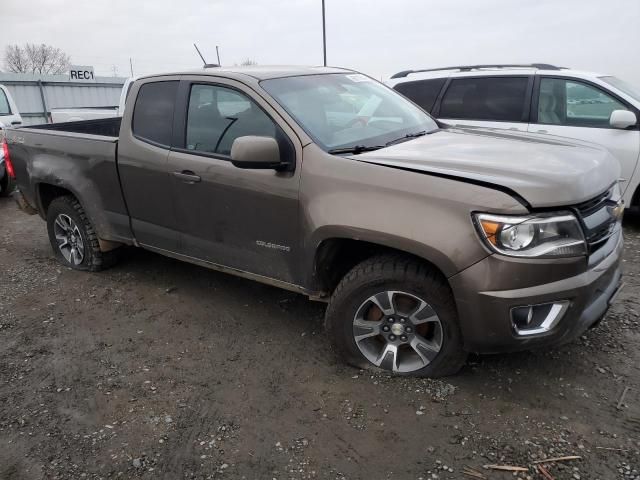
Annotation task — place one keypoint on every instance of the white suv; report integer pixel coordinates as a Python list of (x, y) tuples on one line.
[(536, 98), (9, 115)]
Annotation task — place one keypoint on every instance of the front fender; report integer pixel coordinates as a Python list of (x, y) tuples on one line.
[(425, 215)]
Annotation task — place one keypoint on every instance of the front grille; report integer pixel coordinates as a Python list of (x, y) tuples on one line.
[(597, 219), (590, 206)]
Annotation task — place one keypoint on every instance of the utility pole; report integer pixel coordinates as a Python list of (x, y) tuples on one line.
[(131, 65), (218, 54), (324, 37)]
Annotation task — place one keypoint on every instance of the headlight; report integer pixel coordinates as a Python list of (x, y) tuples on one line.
[(544, 235)]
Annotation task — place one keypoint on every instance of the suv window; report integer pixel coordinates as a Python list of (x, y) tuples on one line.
[(489, 98), (153, 112), (422, 92), (5, 109), (567, 102), (218, 115)]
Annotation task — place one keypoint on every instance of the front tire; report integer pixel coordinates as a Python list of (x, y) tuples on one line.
[(394, 313), (73, 237)]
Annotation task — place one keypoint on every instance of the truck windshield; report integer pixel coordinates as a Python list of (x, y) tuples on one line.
[(342, 111), (4, 104)]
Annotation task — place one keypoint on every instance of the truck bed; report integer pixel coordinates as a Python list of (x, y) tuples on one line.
[(80, 157), (107, 127)]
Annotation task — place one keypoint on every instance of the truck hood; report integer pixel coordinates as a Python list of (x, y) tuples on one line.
[(546, 171)]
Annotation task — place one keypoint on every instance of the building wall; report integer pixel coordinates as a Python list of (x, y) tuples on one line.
[(58, 91)]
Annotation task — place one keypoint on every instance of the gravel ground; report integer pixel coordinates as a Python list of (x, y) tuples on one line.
[(159, 369)]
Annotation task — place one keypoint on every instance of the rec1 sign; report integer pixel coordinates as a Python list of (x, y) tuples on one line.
[(78, 73)]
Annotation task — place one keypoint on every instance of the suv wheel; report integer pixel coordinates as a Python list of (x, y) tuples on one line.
[(73, 237), (393, 313)]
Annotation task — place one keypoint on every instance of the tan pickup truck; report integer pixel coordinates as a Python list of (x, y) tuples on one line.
[(426, 242)]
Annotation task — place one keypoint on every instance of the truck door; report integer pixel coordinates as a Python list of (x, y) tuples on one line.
[(143, 152), (246, 219)]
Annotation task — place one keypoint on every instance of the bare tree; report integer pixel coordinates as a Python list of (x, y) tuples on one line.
[(32, 58)]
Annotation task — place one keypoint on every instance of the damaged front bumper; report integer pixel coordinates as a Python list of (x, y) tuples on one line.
[(569, 297)]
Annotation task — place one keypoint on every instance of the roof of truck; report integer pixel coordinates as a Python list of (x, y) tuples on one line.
[(259, 72)]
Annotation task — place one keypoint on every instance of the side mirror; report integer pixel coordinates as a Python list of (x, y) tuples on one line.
[(622, 119), (256, 152)]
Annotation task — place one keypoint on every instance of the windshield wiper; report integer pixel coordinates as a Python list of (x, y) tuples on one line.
[(407, 137), (356, 149)]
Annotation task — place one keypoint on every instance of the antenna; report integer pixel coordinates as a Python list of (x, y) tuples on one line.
[(204, 62), (198, 50)]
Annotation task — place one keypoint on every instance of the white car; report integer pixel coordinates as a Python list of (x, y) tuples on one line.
[(537, 98), (61, 115), (9, 115)]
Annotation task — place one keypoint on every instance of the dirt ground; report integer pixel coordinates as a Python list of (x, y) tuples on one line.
[(159, 369)]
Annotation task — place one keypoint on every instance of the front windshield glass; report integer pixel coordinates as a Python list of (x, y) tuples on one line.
[(347, 110), (623, 86)]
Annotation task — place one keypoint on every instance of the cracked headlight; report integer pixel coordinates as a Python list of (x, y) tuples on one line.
[(543, 235)]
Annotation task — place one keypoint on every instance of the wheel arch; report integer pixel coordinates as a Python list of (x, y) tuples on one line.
[(334, 256), (47, 193)]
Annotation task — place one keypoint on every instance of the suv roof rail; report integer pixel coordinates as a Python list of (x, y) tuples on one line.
[(466, 68)]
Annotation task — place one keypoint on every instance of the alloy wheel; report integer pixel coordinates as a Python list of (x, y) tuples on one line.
[(69, 239), (397, 331)]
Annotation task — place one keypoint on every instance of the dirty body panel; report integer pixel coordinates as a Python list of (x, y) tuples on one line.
[(83, 164), (417, 196), (353, 199)]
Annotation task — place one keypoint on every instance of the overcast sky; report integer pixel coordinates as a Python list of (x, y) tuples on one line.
[(375, 36)]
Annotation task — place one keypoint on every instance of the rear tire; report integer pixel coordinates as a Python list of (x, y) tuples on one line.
[(73, 238), (416, 332)]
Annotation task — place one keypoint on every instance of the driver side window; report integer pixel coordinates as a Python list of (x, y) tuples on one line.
[(570, 103), (218, 115)]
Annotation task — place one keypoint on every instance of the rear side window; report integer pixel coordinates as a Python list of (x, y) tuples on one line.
[(5, 109), (489, 98), (422, 92), (153, 112)]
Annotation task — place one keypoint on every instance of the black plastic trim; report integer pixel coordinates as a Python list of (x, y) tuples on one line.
[(467, 68)]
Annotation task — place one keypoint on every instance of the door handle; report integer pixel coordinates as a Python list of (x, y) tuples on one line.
[(541, 131), (187, 176)]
